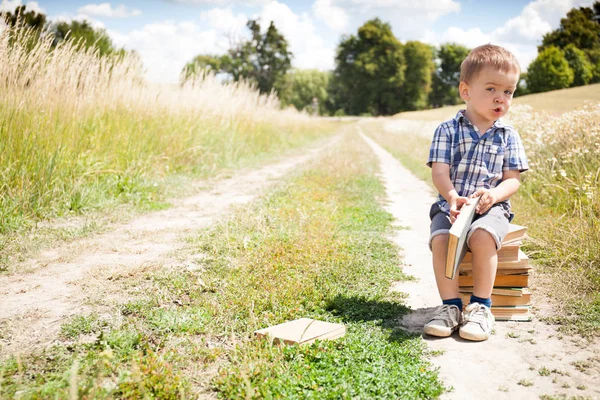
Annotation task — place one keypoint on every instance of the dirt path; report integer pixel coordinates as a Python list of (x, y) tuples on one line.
[(75, 278), (527, 352)]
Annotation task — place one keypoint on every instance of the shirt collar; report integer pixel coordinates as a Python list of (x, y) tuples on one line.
[(460, 117)]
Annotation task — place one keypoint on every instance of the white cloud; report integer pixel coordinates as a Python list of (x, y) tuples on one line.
[(537, 18), (333, 16), (520, 34), (223, 3), (166, 47), (408, 18), (307, 45), (224, 20), (10, 6), (79, 17), (107, 10)]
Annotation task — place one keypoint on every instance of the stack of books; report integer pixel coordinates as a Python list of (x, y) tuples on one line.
[(511, 298)]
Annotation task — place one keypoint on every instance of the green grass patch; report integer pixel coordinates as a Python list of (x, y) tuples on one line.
[(315, 247)]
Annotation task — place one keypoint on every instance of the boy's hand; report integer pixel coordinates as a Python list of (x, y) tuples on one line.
[(488, 199), (455, 205)]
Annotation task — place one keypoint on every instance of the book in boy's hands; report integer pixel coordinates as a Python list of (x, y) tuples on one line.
[(457, 237)]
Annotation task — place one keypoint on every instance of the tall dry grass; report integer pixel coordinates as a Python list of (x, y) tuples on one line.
[(79, 131), (560, 202)]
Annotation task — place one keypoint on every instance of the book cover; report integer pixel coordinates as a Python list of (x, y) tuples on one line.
[(457, 237)]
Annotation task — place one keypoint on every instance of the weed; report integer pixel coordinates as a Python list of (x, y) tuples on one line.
[(525, 382), (544, 371)]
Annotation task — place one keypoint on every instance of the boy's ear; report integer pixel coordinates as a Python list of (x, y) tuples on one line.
[(463, 90)]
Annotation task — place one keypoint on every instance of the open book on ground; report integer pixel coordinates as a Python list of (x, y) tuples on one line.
[(302, 331), (457, 237)]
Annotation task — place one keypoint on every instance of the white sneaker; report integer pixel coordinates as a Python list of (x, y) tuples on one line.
[(478, 321), (445, 320)]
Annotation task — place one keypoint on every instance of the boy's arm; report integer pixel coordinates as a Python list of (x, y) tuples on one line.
[(511, 180), (440, 174)]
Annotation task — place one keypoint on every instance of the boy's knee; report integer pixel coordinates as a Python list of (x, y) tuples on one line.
[(481, 238), (439, 242)]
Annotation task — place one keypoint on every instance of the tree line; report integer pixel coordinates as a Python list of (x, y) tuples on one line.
[(81, 32), (376, 74)]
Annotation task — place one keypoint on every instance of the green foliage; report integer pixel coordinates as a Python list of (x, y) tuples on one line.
[(369, 72), (264, 59), (549, 71), (594, 57), (522, 88), (447, 75), (301, 86), (581, 27), (419, 70), (579, 63), (201, 64), (29, 19), (85, 36), (579, 37)]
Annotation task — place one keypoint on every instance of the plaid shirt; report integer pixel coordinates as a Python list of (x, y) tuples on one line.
[(476, 161)]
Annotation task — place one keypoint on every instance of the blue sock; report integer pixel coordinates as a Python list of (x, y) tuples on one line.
[(454, 302), (486, 302)]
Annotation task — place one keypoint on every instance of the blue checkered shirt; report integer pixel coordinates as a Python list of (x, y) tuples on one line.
[(476, 161)]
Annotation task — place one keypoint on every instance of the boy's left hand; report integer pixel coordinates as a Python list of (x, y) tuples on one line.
[(488, 199)]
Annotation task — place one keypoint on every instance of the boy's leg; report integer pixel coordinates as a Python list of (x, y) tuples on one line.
[(447, 288), (448, 317), (485, 262), (484, 240)]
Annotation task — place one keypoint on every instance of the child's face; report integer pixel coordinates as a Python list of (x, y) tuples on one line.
[(489, 94)]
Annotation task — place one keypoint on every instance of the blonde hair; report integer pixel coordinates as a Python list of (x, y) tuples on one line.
[(488, 55)]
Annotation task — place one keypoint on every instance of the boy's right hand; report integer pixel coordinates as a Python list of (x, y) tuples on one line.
[(455, 205)]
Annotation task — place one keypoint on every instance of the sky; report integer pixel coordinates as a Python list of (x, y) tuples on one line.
[(169, 33)]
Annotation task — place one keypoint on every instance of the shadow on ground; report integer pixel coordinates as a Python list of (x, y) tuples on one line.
[(387, 314)]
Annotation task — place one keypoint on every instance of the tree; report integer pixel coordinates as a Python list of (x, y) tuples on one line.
[(201, 64), (369, 72), (580, 28), (263, 60), (446, 76), (85, 36), (419, 70), (301, 86), (579, 63), (549, 71), (28, 19)]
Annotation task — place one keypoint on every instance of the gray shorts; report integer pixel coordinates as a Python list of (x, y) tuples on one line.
[(495, 221)]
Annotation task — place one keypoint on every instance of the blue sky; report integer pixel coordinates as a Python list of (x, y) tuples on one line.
[(169, 33)]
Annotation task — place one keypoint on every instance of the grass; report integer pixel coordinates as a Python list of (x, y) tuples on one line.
[(558, 201), (81, 133), (409, 148), (316, 247)]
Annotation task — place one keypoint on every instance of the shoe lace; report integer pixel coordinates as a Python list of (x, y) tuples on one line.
[(477, 315), (443, 313)]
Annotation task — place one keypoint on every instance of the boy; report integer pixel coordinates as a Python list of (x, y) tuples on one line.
[(472, 155)]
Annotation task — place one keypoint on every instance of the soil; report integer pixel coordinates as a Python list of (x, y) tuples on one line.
[(75, 278)]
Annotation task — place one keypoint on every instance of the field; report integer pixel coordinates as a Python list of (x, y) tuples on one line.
[(554, 103), (146, 231)]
